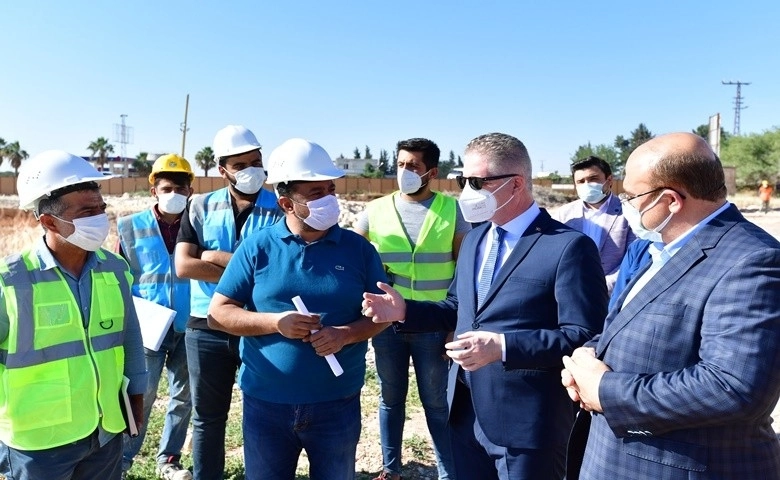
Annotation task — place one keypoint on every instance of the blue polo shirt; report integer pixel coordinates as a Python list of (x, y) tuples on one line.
[(330, 275)]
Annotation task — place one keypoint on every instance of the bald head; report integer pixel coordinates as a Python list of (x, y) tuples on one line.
[(683, 161)]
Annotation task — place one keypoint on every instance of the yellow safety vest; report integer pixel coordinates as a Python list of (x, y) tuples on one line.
[(58, 379), (423, 271)]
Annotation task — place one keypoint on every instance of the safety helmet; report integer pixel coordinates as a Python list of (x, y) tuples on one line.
[(234, 140), (49, 171), (171, 163), (299, 159)]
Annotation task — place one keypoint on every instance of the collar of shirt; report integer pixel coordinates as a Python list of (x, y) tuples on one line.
[(671, 248), (589, 213), (48, 261), (514, 230), (333, 235)]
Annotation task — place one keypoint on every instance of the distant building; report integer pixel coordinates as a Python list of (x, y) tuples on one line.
[(114, 165), (354, 167)]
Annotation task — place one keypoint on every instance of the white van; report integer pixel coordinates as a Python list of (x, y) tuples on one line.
[(455, 172)]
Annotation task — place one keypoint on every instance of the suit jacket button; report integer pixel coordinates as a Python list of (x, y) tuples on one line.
[(475, 325)]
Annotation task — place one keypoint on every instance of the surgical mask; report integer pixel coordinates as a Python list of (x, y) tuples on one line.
[(408, 181), (90, 232), (480, 205), (173, 203), (323, 212), (249, 180), (591, 192), (634, 219)]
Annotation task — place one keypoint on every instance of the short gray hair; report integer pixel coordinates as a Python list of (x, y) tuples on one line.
[(505, 154)]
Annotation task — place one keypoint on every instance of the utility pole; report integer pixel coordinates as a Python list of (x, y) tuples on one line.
[(738, 106), (123, 135), (184, 125)]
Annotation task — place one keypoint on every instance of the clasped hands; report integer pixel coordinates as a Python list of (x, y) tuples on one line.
[(582, 375), (472, 350), (326, 339)]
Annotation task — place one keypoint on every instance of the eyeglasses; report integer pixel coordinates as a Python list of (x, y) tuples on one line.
[(625, 198), (478, 182)]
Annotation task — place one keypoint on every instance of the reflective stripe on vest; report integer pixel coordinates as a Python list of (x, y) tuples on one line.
[(153, 268), (425, 271), (211, 216), (59, 379)]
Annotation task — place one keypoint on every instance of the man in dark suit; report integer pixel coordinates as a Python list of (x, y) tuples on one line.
[(526, 288), (683, 380)]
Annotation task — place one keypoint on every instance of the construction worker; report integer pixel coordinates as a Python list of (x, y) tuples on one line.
[(292, 399), (212, 228), (147, 240), (68, 333), (418, 233), (765, 192)]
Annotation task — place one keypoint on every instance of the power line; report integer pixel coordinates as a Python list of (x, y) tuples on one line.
[(738, 106)]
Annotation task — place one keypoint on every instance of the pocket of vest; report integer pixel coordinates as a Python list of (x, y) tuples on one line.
[(41, 396)]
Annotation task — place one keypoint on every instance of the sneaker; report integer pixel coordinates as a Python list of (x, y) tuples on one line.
[(173, 471), (388, 476)]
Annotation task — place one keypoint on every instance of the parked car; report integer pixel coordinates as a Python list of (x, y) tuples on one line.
[(455, 172)]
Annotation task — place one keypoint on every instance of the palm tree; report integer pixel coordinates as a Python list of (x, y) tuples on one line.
[(2, 150), (205, 160), (14, 153), (142, 165), (100, 148)]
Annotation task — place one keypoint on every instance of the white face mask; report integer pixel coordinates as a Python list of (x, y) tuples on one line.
[(90, 232), (408, 181), (323, 212), (173, 203), (591, 192), (249, 180), (480, 205), (634, 219)]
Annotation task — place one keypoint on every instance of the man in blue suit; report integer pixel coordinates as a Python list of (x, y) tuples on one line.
[(683, 380), (526, 288)]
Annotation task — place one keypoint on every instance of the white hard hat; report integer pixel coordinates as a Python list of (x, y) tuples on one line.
[(234, 140), (299, 159), (50, 171)]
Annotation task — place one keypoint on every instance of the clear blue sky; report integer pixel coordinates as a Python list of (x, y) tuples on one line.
[(347, 74)]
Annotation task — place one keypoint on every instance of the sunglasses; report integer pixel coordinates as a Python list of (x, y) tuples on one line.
[(478, 182)]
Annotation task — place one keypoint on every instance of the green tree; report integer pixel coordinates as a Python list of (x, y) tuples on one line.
[(356, 154), (755, 156), (2, 149), (625, 146), (15, 155), (392, 166), (703, 131), (100, 148), (368, 156), (142, 165), (460, 162), (446, 167), (370, 171), (384, 161), (605, 152), (205, 160), (452, 157)]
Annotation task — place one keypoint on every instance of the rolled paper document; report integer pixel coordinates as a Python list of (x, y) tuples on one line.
[(332, 360)]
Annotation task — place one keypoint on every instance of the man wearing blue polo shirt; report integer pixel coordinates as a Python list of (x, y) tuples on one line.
[(292, 399)]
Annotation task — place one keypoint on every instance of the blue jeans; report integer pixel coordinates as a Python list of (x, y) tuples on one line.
[(213, 362), (392, 352), (84, 459), (275, 433), (173, 355)]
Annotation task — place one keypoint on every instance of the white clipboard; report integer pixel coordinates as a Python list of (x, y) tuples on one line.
[(155, 320)]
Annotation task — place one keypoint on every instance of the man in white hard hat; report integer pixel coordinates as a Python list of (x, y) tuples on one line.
[(292, 398), (212, 228), (68, 333), (147, 240)]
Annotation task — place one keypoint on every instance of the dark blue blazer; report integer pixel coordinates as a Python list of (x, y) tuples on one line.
[(549, 298)]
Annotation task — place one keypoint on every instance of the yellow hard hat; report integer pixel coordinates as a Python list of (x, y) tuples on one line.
[(171, 163)]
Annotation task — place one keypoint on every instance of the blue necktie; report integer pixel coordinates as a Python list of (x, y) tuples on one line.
[(493, 259)]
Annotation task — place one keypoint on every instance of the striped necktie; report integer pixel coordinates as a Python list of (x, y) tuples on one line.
[(491, 264)]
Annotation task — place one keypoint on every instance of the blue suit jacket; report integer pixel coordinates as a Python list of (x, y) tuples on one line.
[(548, 298), (696, 365)]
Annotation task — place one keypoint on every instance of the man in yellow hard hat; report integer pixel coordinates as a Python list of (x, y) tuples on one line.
[(68, 333), (148, 240)]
